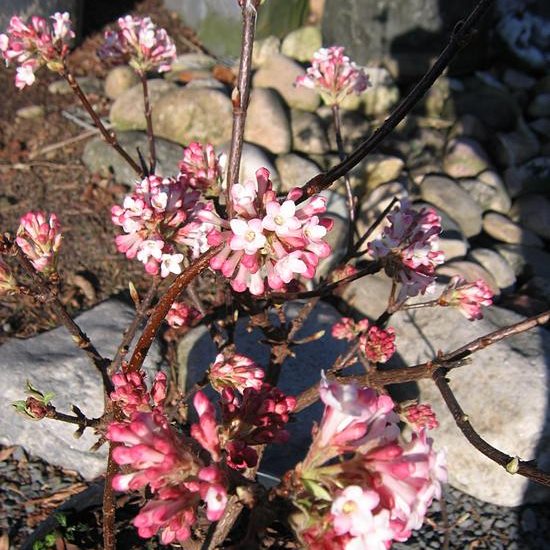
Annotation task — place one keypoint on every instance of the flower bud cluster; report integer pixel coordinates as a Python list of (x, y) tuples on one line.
[(236, 371), (377, 344), (418, 416), (36, 43), (177, 479), (139, 43), (334, 76), (467, 297), (201, 167), (39, 237), (380, 487), (131, 393), (268, 240), (408, 248), (181, 315)]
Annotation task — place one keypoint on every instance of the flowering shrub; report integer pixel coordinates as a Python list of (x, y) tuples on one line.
[(36, 43), (361, 484)]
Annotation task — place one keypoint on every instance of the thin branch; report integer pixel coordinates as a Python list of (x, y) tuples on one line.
[(349, 192), (451, 360), (511, 464), (109, 503), (108, 136), (44, 292), (130, 332), (149, 119), (463, 32), (164, 304), (241, 96)]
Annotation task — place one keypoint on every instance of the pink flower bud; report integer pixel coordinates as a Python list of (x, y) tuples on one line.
[(467, 297)]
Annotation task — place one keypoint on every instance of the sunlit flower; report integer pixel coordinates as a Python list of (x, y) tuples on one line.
[(333, 75), (467, 297)]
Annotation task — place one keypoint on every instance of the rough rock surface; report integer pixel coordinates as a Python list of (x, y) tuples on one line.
[(504, 391), (51, 362)]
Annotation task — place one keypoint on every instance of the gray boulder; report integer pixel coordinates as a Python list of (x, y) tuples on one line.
[(101, 158), (504, 391), (52, 362)]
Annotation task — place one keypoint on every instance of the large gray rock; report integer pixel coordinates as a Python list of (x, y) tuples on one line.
[(504, 391), (534, 212), (101, 158), (280, 72), (52, 362), (193, 114), (465, 158), (127, 110), (449, 197), (218, 24), (411, 32), (196, 351), (267, 122)]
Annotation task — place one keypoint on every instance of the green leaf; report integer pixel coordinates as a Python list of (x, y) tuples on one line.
[(21, 408), (48, 396), (61, 519), (316, 490)]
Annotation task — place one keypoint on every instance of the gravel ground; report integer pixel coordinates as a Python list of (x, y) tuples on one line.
[(31, 489)]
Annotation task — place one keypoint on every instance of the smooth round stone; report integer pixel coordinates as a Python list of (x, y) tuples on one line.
[(465, 158), (448, 196), (280, 73), (505, 230), (302, 43), (308, 133), (264, 50), (515, 148), (496, 265), (31, 112), (534, 213), (381, 169), (119, 80), (295, 170), (540, 106), (469, 271), (253, 158), (127, 110), (184, 115), (533, 176), (487, 196), (190, 62), (267, 123)]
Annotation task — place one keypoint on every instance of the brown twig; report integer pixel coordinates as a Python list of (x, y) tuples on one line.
[(460, 37), (141, 312), (109, 503), (164, 304), (150, 134), (511, 464), (108, 136), (453, 359), (349, 192), (45, 293), (241, 96)]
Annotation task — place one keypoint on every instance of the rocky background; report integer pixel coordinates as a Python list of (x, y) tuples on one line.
[(477, 149)]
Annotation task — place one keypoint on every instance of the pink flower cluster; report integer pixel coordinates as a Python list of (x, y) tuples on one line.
[(139, 42), (158, 216), (467, 297), (177, 479), (419, 416), (408, 248), (380, 487), (39, 237), (255, 417), (181, 315), (237, 371), (132, 396), (376, 343), (201, 167), (7, 280), (36, 43), (268, 239), (333, 75)]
